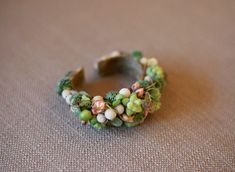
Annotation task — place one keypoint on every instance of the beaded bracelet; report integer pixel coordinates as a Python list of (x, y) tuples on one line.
[(129, 106)]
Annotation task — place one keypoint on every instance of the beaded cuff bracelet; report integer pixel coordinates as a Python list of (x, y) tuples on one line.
[(129, 106)]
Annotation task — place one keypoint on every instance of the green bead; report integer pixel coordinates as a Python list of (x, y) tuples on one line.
[(155, 94), (76, 110), (93, 121), (84, 93), (137, 55), (137, 109), (125, 101), (116, 122), (85, 102), (74, 99), (155, 106), (116, 102), (131, 124), (85, 115), (129, 112), (139, 117), (143, 83), (98, 126), (110, 96), (119, 97), (133, 97), (130, 105), (138, 102), (160, 83), (155, 72), (63, 84)]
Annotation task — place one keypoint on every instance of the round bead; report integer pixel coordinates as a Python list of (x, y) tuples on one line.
[(85, 115), (115, 53), (144, 61), (125, 92), (101, 118), (73, 92), (152, 61), (135, 86), (68, 99), (127, 118), (120, 109), (97, 98), (140, 92), (65, 93), (148, 78), (98, 107), (110, 114)]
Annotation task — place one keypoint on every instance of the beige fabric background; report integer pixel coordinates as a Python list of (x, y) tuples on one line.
[(193, 40)]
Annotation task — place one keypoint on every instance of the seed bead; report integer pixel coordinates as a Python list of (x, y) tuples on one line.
[(65, 93), (110, 114), (101, 118), (125, 92)]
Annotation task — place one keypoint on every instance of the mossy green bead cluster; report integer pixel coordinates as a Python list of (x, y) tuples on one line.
[(134, 105), (155, 72), (64, 83)]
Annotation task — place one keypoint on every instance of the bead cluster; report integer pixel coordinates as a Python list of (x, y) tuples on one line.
[(128, 106)]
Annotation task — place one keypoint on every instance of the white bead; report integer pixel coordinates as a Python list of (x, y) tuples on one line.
[(110, 114), (143, 60), (73, 92), (125, 92), (152, 61), (97, 98), (120, 109), (68, 99), (148, 78), (115, 53), (65, 93), (101, 118)]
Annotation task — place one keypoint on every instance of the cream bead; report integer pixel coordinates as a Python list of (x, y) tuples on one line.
[(110, 114), (115, 53), (127, 118), (144, 61), (125, 92), (65, 93), (97, 98), (148, 78), (68, 99), (100, 118), (120, 109), (152, 61)]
